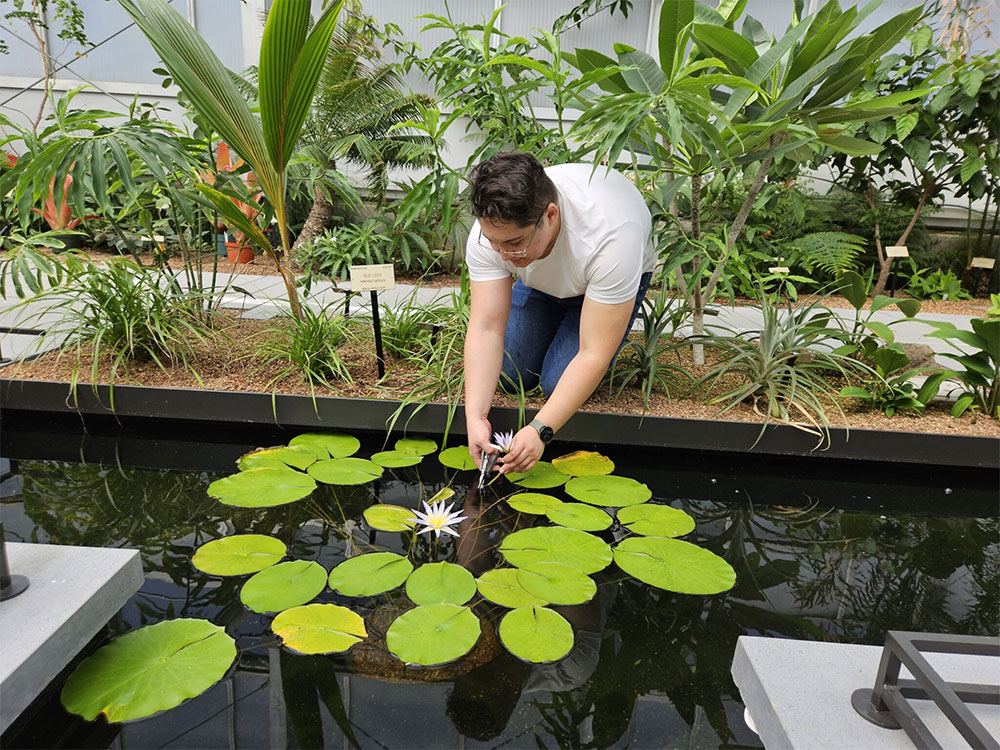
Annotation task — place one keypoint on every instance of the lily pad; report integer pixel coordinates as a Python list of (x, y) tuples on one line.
[(536, 634), (674, 565), (608, 491), (442, 582), (579, 516), (585, 552), (557, 583), (584, 463), (434, 634), (295, 456), (541, 476), (370, 574), (416, 445), (535, 503), (238, 555), (396, 459), (345, 471), (457, 457), (284, 586), (319, 628), (386, 517), (262, 488), (149, 670), (502, 587), (332, 445), (650, 519)]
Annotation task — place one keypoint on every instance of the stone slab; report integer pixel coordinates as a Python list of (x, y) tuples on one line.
[(798, 694), (73, 592)]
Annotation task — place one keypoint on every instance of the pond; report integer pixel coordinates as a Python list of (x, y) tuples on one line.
[(821, 550)]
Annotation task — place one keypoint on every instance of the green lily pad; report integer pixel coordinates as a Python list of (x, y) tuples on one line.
[(579, 516), (370, 574), (583, 464), (262, 488), (674, 565), (238, 555), (457, 457), (502, 587), (396, 459), (386, 517), (541, 476), (557, 583), (585, 552), (533, 502), (295, 456), (434, 634), (441, 582), (345, 471), (284, 586), (319, 628), (650, 519), (608, 491), (416, 445), (149, 670), (536, 634), (329, 444)]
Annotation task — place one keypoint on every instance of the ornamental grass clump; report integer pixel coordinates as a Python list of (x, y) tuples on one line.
[(307, 346)]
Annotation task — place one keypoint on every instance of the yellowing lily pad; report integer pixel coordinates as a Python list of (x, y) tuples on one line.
[(579, 516), (319, 628), (330, 445), (650, 519), (284, 586), (583, 463), (417, 445), (502, 587), (396, 459), (585, 552), (557, 583), (370, 574), (608, 491), (535, 503), (441, 582), (536, 634), (386, 517), (433, 634), (542, 475), (295, 456), (345, 471), (238, 555), (262, 488), (149, 670), (674, 565), (457, 457)]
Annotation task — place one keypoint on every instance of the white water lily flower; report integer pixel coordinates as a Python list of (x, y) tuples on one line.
[(502, 440), (437, 518)]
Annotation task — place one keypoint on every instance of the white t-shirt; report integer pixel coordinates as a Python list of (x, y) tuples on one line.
[(604, 243)]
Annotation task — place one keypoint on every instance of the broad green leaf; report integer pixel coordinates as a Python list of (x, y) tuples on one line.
[(608, 491), (396, 459), (441, 582), (238, 555), (641, 72), (881, 330), (418, 446), (989, 331), (319, 628), (962, 405), (725, 44), (297, 457), (650, 519), (330, 445), (533, 502), (345, 471), (262, 488), (909, 307), (149, 670), (557, 583), (583, 463), (370, 574), (579, 516), (674, 16), (283, 586), (541, 476), (849, 391), (905, 123), (583, 551), (433, 634), (854, 289), (536, 634), (389, 517), (501, 586), (674, 565), (851, 146), (457, 457)]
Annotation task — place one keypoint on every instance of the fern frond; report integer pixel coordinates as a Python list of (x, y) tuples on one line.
[(832, 252)]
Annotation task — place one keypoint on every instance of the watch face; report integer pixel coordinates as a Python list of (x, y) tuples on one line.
[(546, 434)]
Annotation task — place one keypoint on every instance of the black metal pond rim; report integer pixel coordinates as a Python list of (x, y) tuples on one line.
[(591, 428)]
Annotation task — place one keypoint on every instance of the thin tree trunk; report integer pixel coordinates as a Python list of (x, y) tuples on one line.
[(885, 263), (46, 66)]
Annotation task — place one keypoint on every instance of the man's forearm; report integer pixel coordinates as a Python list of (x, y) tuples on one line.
[(483, 358), (579, 380)]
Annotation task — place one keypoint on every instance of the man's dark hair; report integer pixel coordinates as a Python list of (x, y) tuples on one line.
[(510, 187)]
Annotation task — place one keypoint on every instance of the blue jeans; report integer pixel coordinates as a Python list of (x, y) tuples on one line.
[(543, 335)]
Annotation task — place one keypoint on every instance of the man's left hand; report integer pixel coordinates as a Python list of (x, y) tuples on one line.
[(525, 450)]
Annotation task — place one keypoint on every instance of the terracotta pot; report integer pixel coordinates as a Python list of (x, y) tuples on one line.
[(237, 252)]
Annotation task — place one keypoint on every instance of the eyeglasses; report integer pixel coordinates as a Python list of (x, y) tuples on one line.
[(504, 248)]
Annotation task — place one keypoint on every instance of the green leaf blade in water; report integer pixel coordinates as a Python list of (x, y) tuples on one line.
[(541, 476), (328, 445), (674, 565), (238, 555), (293, 456), (585, 552), (536, 634), (416, 445), (583, 463), (440, 583), (149, 670), (319, 628), (457, 457), (385, 517), (264, 487), (283, 586), (345, 471), (501, 586), (579, 516), (608, 491), (433, 634), (370, 574), (650, 519), (557, 583), (396, 459), (535, 503)]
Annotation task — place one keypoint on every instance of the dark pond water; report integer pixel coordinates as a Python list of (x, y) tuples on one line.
[(822, 551)]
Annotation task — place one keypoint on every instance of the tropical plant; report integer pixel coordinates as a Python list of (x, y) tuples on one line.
[(830, 252), (307, 346), (980, 373), (993, 312), (863, 335), (409, 326), (936, 285), (892, 390)]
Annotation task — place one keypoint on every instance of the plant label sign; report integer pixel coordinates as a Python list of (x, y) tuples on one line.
[(374, 278), (897, 251), (778, 269), (982, 262)]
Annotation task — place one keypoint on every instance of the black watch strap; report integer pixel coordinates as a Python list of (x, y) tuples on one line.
[(545, 432)]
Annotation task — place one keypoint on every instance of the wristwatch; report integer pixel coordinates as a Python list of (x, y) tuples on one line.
[(545, 432)]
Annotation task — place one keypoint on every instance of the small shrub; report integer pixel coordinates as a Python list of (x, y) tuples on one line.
[(308, 347)]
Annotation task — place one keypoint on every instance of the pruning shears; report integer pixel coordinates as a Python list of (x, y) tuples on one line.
[(486, 463)]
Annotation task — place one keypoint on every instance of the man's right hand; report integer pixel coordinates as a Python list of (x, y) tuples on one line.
[(480, 434)]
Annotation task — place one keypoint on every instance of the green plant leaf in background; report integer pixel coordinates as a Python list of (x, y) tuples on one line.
[(557, 583), (262, 488), (585, 552), (440, 582), (294, 456), (579, 516), (541, 476), (534, 503), (283, 586), (149, 670), (345, 471), (370, 574), (457, 457), (417, 445), (608, 491), (650, 519), (238, 555), (536, 634), (501, 586), (433, 634), (396, 459), (319, 628), (583, 463), (674, 565), (328, 445), (386, 517)]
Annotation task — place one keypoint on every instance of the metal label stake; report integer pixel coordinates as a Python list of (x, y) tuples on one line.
[(377, 325), (10, 585)]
